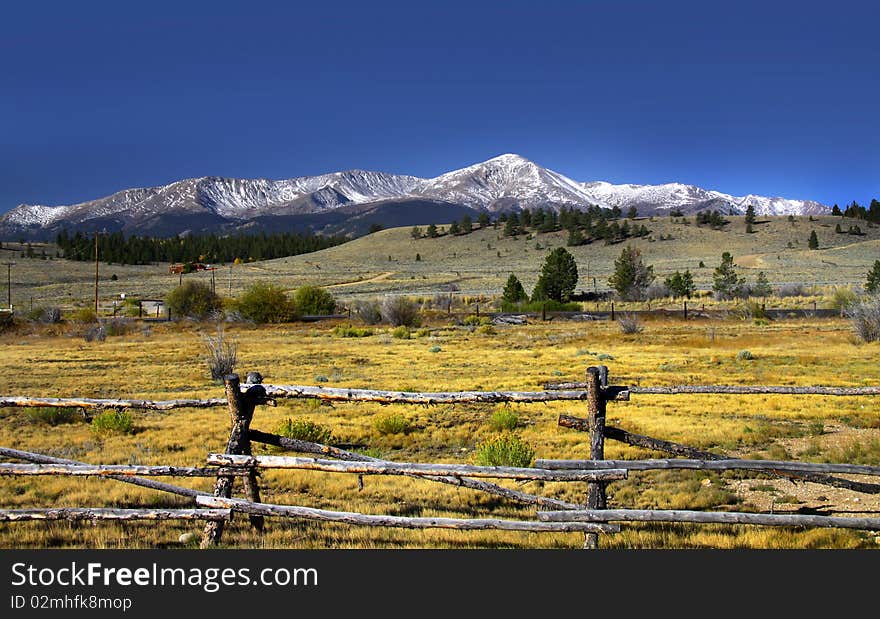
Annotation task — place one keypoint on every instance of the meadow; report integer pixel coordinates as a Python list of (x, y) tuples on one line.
[(167, 361)]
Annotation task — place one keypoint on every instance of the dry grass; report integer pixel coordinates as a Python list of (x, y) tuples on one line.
[(168, 363)]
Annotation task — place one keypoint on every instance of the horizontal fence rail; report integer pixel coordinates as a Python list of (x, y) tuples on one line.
[(731, 389), (411, 397), (296, 445), (100, 513), (711, 465), (777, 520), (103, 470), (152, 484), (404, 468), (467, 524), (154, 405)]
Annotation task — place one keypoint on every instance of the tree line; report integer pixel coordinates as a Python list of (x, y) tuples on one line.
[(120, 249)]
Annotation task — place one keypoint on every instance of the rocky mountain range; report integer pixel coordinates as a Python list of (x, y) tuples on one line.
[(351, 202)]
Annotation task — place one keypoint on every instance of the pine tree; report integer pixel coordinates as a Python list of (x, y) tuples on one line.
[(631, 277), (762, 287), (483, 219), (431, 231), (814, 240), (558, 277), (725, 281), (750, 215), (575, 237), (416, 232), (836, 211), (632, 213), (513, 291), (454, 229), (872, 285), (467, 224), (511, 227)]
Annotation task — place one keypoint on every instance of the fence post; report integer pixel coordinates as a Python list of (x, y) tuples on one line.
[(241, 411), (685, 310), (612, 311), (596, 379)]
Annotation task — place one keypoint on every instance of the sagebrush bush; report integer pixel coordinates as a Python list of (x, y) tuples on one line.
[(313, 301), (630, 324), (865, 319), (476, 321), (53, 416), (264, 303), (113, 422), (744, 355), (504, 419), (95, 333), (192, 300), (304, 430), (400, 311), (844, 298), (392, 423), (368, 311), (44, 315), (83, 316), (791, 290), (222, 354), (117, 326), (506, 449)]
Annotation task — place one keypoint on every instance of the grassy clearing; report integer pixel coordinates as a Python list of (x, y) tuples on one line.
[(168, 362)]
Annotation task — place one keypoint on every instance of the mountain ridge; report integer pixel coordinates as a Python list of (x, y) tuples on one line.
[(503, 183)]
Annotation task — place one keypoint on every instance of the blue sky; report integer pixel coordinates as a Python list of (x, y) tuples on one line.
[(774, 98)]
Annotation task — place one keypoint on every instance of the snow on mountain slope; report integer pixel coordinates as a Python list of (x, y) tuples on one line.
[(505, 182)]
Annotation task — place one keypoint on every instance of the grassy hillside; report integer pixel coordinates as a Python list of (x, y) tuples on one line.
[(480, 262)]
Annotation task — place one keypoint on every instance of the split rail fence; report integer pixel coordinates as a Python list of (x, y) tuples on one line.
[(593, 517)]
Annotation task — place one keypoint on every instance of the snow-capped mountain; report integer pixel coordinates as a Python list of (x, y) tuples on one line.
[(689, 198), (326, 202)]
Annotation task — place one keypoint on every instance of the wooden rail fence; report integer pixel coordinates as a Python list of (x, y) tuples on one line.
[(591, 518)]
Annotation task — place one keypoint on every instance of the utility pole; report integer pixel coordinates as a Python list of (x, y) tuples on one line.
[(9, 283), (96, 272)]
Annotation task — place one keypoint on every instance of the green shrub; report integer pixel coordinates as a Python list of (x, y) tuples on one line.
[(865, 318), (503, 419), (193, 300), (113, 422), (476, 321), (52, 416), (266, 303), (423, 333), (314, 301), (844, 298), (368, 311), (434, 349), (506, 449), (536, 307), (305, 430), (604, 357), (83, 316), (486, 330), (744, 355), (45, 315), (401, 333), (115, 327), (393, 423), (340, 331)]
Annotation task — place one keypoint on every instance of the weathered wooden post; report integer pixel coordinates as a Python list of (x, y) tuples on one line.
[(241, 411), (597, 378), (612, 311), (685, 310)]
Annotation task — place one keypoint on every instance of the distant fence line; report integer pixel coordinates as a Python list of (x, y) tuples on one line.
[(552, 514)]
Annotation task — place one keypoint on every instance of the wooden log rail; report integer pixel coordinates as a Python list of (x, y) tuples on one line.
[(677, 449), (411, 397), (518, 496), (404, 468), (109, 470), (100, 513), (371, 520), (698, 517), (730, 389), (712, 465), (137, 481), (93, 403)]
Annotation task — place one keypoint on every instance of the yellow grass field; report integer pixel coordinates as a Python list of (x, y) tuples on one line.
[(167, 361)]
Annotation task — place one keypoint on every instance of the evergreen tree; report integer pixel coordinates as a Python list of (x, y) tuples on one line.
[(762, 287), (467, 224), (431, 231), (454, 229), (513, 291), (814, 240), (725, 282), (836, 211), (837, 229), (681, 284), (575, 237), (631, 277), (558, 277), (483, 219), (872, 285), (632, 213), (511, 227), (750, 215), (416, 232)]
